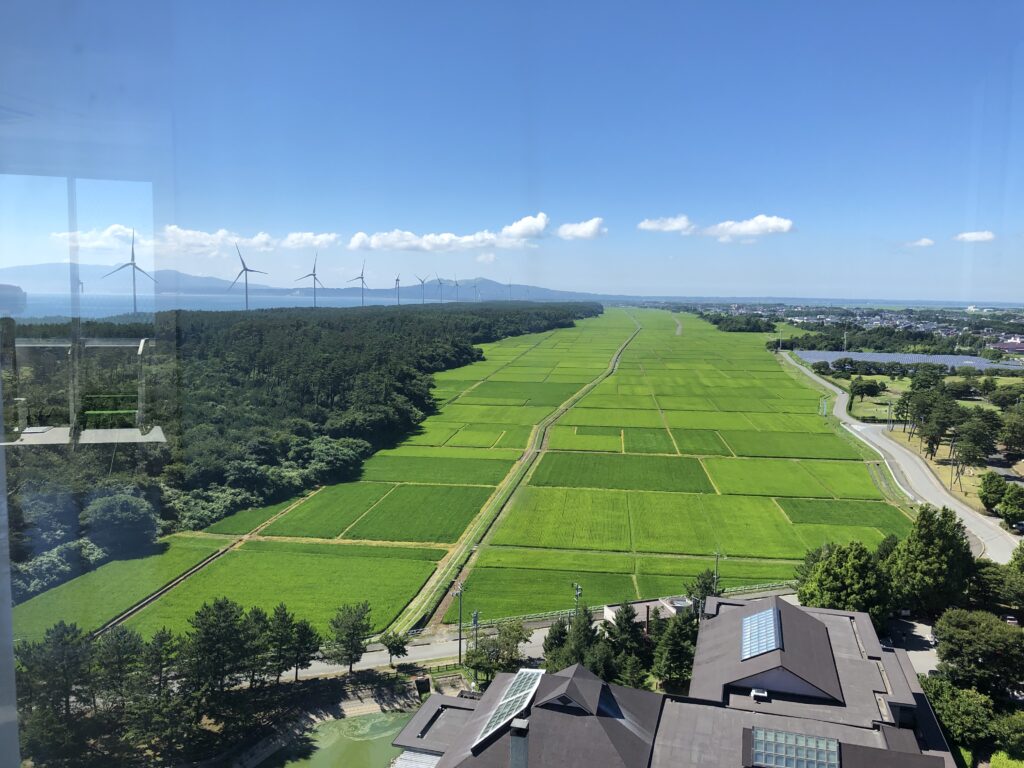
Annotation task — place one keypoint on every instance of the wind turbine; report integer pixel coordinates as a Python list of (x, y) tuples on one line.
[(510, 289), (134, 267), (245, 270), (476, 289), (362, 284), (456, 289), (316, 280), (440, 287), (423, 289), (398, 294)]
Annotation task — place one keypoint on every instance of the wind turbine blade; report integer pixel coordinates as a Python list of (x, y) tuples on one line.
[(257, 271), (355, 278), (316, 255), (140, 269), (317, 281), (237, 278), (118, 269), (311, 274), (133, 245), (244, 267)]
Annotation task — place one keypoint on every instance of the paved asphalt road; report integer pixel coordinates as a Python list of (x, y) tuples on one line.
[(916, 478)]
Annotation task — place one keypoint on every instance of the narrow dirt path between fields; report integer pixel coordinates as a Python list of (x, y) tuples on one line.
[(679, 326)]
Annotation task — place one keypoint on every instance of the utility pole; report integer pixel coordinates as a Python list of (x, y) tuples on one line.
[(476, 638), (717, 555), (458, 594)]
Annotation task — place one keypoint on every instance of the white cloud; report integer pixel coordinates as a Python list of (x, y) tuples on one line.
[(309, 240), (584, 230), (982, 236), (515, 235), (680, 224), (924, 242), (221, 242), (526, 227), (486, 258), (726, 231), (116, 237)]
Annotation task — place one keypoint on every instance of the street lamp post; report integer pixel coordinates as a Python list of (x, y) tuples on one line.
[(458, 594)]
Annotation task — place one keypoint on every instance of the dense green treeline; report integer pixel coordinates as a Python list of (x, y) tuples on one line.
[(255, 407)]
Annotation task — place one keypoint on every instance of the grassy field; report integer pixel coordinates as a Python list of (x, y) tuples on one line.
[(699, 443), (434, 513), (311, 579), (93, 599), (247, 519), (327, 513), (627, 472)]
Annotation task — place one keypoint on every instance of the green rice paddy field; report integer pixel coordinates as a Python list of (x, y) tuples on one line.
[(699, 443)]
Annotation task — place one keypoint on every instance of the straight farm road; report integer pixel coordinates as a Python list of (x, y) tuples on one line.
[(916, 477)]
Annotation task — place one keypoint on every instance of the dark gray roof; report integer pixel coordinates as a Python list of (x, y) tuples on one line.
[(700, 735), (436, 724), (805, 652), (607, 726)]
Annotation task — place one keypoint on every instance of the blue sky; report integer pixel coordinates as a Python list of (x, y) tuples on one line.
[(806, 144)]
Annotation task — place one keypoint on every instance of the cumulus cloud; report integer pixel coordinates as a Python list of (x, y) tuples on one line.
[(309, 239), (583, 230), (526, 227), (981, 236), (515, 235), (680, 224), (222, 241), (486, 258), (727, 231), (923, 242)]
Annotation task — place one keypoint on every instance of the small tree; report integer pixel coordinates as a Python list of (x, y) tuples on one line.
[(848, 578), (977, 650), (965, 713), (703, 586), (281, 636), (632, 673), (305, 646), (1008, 732), (1011, 507), (673, 658), (626, 634), (349, 629), (555, 639), (991, 490), (396, 644), (930, 568)]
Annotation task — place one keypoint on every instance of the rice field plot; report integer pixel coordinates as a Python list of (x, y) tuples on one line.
[(742, 526), (818, 535), (700, 442), (430, 513), (556, 560), (445, 471), (434, 432), (325, 514), (514, 437), (845, 479), (311, 579), (93, 599), (619, 402), (636, 440), (568, 518), (242, 522), (713, 420), (665, 576), (765, 477), (625, 472), (788, 422), (495, 414), (501, 592), (475, 437), (875, 514), (793, 445), (565, 438), (608, 417)]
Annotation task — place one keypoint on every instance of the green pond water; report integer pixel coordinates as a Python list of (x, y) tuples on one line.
[(357, 742)]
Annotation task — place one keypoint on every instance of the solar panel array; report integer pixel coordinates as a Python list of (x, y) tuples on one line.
[(516, 698), (785, 749), (760, 634)]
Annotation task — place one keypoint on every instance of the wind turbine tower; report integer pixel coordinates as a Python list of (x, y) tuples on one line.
[(423, 289), (398, 294), (440, 287), (456, 281), (244, 271), (362, 285), (316, 280), (134, 267), (476, 289)]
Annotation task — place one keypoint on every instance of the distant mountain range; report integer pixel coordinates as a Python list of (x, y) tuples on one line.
[(52, 279)]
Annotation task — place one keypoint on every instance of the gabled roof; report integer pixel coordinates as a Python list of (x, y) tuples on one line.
[(803, 655), (577, 683)]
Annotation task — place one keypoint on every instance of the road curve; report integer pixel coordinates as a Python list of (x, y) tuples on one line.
[(916, 478)]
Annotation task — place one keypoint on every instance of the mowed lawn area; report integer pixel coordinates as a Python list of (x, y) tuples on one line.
[(700, 443), (311, 579)]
